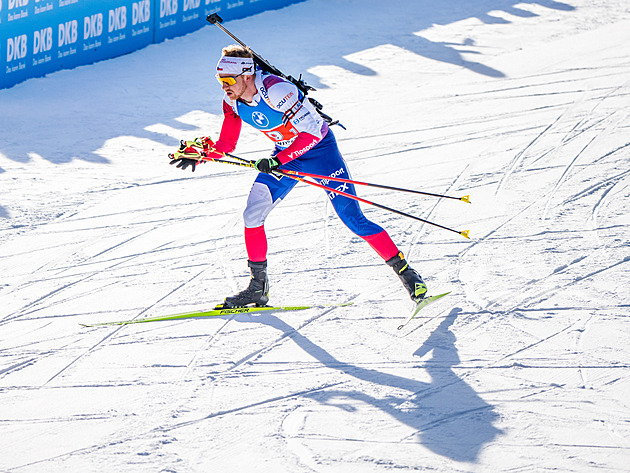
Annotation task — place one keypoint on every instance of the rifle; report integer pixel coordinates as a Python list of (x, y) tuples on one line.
[(263, 64)]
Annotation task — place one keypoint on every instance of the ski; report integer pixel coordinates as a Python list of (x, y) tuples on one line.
[(421, 305), (216, 312)]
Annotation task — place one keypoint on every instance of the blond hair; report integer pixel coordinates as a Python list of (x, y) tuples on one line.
[(236, 50)]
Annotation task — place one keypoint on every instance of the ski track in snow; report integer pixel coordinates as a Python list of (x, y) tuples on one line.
[(536, 326)]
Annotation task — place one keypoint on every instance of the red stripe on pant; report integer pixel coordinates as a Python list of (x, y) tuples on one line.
[(256, 244), (382, 244)]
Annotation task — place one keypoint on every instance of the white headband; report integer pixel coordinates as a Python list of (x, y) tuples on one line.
[(235, 65)]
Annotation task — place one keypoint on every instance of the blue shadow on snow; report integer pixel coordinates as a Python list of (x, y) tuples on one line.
[(447, 415)]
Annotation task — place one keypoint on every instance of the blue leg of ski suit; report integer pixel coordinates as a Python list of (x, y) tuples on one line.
[(324, 159)]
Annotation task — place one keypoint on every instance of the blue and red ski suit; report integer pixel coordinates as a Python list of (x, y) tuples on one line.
[(303, 142)]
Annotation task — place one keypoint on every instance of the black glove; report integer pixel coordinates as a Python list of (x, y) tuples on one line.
[(267, 165), (183, 163), (187, 155)]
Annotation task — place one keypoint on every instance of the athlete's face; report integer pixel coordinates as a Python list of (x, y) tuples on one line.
[(236, 90)]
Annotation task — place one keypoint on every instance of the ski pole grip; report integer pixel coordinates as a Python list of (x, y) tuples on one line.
[(214, 19)]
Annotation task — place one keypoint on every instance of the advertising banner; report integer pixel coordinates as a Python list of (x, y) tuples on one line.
[(178, 17), (41, 36)]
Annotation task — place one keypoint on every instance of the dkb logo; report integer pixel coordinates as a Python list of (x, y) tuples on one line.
[(92, 26), (15, 4), (117, 19), (190, 4), (42, 40), (68, 33), (16, 47), (168, 7), (141, 12)]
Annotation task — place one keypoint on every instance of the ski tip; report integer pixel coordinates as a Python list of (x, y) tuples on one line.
[(465, 234), (466, 199), (434, 297)]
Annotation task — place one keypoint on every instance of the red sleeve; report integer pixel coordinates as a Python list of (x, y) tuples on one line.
[(230, 130), (303, 143)]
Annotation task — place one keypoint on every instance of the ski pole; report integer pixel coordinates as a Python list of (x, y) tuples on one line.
[(464, 233), (243, 164), (246, 163), (465, 198)]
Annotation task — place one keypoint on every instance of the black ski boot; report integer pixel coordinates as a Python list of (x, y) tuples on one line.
[(256, 293), (412, 281)]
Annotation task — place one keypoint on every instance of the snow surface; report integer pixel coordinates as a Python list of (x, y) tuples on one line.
[(524, 367)]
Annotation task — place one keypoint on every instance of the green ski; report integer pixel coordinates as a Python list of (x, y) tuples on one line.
[(421, 305), (216, 312)]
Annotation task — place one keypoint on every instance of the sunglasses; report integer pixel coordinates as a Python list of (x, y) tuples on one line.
[(230, 80)]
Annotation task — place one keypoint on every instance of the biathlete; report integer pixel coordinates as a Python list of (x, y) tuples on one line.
[(303, 142)]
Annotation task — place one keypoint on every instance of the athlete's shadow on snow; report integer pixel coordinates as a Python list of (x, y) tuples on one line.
[(447, 415)]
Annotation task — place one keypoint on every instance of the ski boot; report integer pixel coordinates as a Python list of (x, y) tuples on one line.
[(256, 293), (412, 281)]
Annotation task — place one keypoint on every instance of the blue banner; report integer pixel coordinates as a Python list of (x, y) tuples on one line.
[(178, 17), (41, 36)]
